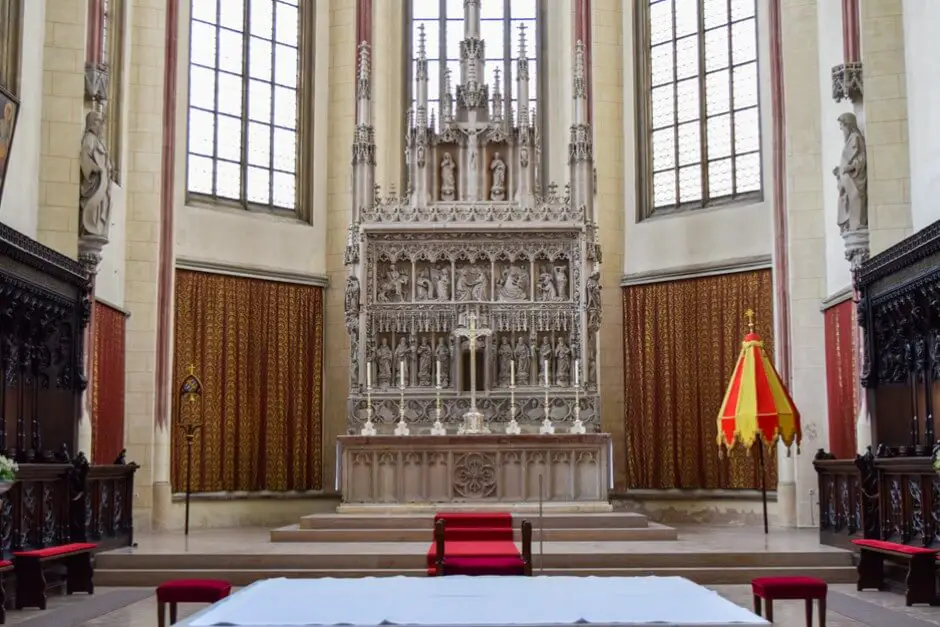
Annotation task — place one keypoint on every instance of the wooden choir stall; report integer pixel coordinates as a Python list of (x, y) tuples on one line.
[(58, 497), (891, 492)]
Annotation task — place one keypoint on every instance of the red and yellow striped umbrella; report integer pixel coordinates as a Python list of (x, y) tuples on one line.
[(757, 404)]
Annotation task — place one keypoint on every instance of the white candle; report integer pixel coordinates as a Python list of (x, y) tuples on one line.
[(401, 372), (512, 372), (545, 368), (576, 368), (438, 368), (369, 374)]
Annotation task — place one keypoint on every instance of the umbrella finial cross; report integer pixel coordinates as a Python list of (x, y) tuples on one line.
[(749, 314)]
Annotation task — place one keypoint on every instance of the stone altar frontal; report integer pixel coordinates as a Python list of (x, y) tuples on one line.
[(408, 474)]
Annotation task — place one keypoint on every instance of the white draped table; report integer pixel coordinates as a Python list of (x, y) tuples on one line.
[(475, 601)]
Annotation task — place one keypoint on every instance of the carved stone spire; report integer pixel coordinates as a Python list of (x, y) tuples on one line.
[(523, 79), (580, 143), (363, 149)]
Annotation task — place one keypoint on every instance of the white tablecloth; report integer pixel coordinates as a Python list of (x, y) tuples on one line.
[(476, 601)]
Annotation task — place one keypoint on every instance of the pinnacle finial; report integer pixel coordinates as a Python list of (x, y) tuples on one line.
[(579, 72), (364, 59), (522, 41), (496, 82), (422, 40), (749, 314)]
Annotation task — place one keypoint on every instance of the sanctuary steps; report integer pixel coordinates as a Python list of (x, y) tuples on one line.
[(704, 555)]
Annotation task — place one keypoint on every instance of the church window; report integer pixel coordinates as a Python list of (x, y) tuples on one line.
[(244, 90), (500, 22), (10, 40), (698, 103)]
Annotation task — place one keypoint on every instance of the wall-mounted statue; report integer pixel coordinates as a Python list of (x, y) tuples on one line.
[(424, 362), (593, 301), (498, 168), (523, 357), (402, 361), (383, 357), (448, 177), (545, 359), (352, 296), (513, 285), (442, 353), (563, 362), (95, 192), (852, 177), (506, 355)]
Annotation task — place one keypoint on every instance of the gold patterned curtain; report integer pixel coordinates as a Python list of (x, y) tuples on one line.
[(257, 346), (681, 342)]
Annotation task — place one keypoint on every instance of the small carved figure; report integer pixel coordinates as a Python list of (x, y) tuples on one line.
[(441, 277), (547, 291), (95, 192), (561, 282), (424, 288), (562, 362), (420, 156), (395, 287), (506, 355), (498, 169), (448, 177), (852, 177), (424, 363), (471, 283), (523, 358), (512, 285), (352, 296), (593, 301), (402, 357), (524, 157), (545, 360), (383, 356), (442, 352)]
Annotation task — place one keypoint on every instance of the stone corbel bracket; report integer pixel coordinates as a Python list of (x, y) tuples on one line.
[(97, 80), (847, 82)]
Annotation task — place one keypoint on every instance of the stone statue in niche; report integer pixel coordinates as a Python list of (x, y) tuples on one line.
[(440, 275), (561, 282), (498, 170), (593, 301), (394, 289), (523, 360), (352, 296), (402, 359), (562, 362), (424, 286), (524, 157), (546, 287), (513, 285), (420, 156), (95, 190), (471, 283), (383, 357), (545, 360), (424, 362), (448, 177), (852, 177), (506, 355), (442, 352)]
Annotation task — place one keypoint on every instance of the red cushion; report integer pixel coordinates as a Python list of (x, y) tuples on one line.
[(894, 546), (789, 588), (55, 551), (6, 564), (477, 534), (484, 566), (474, 549), (193, 591)]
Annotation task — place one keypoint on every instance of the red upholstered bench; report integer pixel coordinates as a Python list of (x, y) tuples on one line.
[(920, 562), (5, 567), (790, 588), (31, 581), (460, 548), (188, 591)]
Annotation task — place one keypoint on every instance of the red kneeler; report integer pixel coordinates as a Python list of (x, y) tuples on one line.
[(478, 544), (188, 591), (788, 589)]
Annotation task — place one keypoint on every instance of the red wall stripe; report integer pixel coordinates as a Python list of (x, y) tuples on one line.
[(107, 383)]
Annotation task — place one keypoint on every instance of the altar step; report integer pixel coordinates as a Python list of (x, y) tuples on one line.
[(426, 521), (294, 533)]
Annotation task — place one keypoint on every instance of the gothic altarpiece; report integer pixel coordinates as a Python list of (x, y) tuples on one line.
[(474, 232)]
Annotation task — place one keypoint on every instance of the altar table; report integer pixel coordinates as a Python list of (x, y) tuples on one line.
[(404, 474), (478, 601)]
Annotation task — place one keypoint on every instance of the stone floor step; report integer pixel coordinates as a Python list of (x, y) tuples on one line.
[(426, 521), (243, 577), (295, 533)]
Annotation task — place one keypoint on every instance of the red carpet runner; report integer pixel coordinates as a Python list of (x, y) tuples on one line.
[(486, 536)]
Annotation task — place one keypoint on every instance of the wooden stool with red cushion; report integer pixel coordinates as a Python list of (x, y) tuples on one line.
[(188, 591), (788, 589), (31, 579)]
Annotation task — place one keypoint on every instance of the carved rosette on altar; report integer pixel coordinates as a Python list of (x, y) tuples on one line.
[(472, 235)]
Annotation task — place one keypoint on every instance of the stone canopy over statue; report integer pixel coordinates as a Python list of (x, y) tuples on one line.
[(475, 235)]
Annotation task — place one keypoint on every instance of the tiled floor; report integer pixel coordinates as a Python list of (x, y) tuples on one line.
[(787, 614)]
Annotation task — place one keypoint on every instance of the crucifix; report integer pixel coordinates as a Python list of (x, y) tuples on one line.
[(473, 419)]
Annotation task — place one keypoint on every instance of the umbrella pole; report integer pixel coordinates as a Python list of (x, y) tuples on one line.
[(763, 481)]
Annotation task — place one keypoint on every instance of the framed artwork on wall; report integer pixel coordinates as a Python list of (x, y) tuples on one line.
[(9, 113)]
